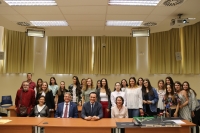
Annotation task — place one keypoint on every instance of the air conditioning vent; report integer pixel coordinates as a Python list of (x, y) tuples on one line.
[(148, 24), (23, 23), (172, 2)]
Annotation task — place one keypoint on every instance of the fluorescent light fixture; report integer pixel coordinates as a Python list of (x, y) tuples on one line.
[(31, 2), (191, 18), (49, 23), (123, 23), (141, 32), (36, 32), (134, 2)]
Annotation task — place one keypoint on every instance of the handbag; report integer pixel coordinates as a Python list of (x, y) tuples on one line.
[(22, 109)]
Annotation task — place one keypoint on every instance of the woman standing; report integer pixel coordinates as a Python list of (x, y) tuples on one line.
[(161, 93), (53, 86), (150, 98), (133, 96), (60, 94), (40, 110), (89, 88), (38, 86), (124, 85), (193, 105), (103, 96), (98, 84), (184, 110), (140, 82), (171, 102), (117, 92), (75, 90), (83, 83), (169, 81), (47, 93)]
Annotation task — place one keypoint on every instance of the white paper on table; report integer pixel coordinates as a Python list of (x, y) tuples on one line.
[(177, 121), (3, 121)]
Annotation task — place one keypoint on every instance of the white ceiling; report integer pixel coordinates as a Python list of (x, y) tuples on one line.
[(88, 17)]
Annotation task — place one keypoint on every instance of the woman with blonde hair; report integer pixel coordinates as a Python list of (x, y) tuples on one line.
[(49, 99), (88, 89)]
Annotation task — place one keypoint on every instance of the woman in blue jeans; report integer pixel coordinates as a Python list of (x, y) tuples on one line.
[(150, 98)]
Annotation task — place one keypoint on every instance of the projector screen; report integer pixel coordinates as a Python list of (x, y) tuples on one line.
[(141, 33)]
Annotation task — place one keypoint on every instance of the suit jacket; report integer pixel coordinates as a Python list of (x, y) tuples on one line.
[(49, 100), (97, 110), (73, 110)]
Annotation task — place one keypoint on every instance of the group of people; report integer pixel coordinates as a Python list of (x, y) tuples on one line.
[(129, 99)]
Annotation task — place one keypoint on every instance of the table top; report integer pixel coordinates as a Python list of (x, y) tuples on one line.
[(77, 122), (25, 121)]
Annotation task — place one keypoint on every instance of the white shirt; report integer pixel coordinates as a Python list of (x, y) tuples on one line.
[(161, 94), (124, 88), (67, 109), (74, 94), (43, 93), (116, 94), (104, 97), (133, 98), (39, 108)]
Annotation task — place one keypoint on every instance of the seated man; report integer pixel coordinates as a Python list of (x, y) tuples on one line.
[(92, 110), (67, 109)]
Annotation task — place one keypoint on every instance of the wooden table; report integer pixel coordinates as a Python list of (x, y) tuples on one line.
[(185, 128), (20, 124), (12, 111), (77, 125)]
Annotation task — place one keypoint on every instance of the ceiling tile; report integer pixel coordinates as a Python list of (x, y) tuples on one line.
[(85, 17), (87, 28), (125, 28), (7, 10), (129, 9), (44, 17), (17, 18), (86, 23), (84, 10), (126, 17), (164, 10), (154, 18), (55, 28), (37, 10), (81, 2)]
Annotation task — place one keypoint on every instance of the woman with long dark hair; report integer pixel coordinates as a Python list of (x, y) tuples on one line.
[(171, 102), (194, 105), (140, 81), (184, 110), (150, 98), (169, 81), (53, 86), (60, 94), (103, 96), (75, 90), (38, 86), (133, 98), (124, 85), (98, 86)]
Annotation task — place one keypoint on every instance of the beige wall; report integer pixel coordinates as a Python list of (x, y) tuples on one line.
[(11, 82)]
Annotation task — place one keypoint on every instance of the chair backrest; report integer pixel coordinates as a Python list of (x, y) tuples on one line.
[(6, 100)]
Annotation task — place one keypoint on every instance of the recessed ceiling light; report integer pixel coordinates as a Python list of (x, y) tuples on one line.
[(123, 23), (134, 2), (31, 2), (49, 23)]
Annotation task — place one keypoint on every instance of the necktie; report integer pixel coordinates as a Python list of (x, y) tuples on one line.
[(92, 107), (66, 109)]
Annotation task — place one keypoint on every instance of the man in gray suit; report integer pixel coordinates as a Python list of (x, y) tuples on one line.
[(92, 110)]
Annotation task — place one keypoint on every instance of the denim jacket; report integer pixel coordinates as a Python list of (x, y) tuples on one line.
[(154, 99)]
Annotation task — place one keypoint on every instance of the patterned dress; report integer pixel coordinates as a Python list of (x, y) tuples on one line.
[(184, 112)]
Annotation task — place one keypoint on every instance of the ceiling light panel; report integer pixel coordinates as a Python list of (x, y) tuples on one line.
[(31, 2), (49, 23), (123, 23), (134, 2)]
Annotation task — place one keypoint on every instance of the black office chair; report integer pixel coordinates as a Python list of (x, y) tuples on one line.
[(6, 101)]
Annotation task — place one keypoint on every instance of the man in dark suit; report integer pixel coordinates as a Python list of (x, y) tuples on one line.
[(92, 110), (67, 109)]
